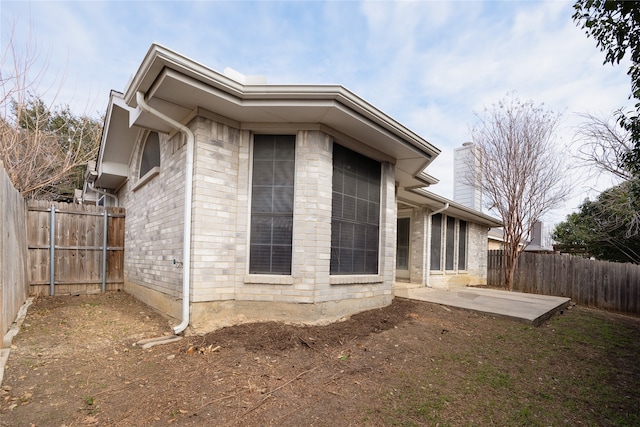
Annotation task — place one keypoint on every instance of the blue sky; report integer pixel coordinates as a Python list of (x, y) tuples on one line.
[(430, 65)]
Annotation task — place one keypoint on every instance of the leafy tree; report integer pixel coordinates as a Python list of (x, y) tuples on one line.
[(45, 151), (521, 171), (615, 26), (606, 228), (604, 144), (574, 234)]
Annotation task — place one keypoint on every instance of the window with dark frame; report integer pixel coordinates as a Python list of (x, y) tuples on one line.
[(436, 241), (355, 213), (450, 235), (272, 188), (462, 245), (402, 243), (452, 229), (150, 154)]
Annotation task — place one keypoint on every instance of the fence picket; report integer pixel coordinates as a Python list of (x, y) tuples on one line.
[(601, 284), (79, 241)]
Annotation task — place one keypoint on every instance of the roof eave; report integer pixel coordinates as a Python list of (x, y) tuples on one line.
[(159, 57), (428, 198)]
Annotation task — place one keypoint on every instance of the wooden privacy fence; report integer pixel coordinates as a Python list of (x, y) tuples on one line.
[(74, 249), (600, 284), (13, 252)]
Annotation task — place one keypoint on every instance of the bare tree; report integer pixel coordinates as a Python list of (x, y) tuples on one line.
[(43, 148), (603, 145), (522, 175)]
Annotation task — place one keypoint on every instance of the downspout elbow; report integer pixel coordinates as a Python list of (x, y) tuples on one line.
[(186, 244), (104, 193), (442, 209)]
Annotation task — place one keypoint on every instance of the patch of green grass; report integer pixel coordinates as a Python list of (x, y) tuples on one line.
[(490, 376), (579, 368)]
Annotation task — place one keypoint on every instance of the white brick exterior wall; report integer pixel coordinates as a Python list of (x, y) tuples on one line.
[(418, 240), (476, 272), (153, 227), (420, 244), (216, 197), (222, 291)]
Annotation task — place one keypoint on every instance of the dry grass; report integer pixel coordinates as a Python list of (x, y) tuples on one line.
[(410, 364)]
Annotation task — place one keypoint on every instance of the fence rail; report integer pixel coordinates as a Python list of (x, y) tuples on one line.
[(600, 284), (87, 254)]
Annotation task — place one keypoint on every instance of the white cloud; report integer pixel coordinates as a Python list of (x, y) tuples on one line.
[(428, 64)]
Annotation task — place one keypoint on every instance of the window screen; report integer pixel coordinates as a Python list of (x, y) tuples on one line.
[(450, 236), (462, 246), (272, 204), (402, 244), (436, 241), (355, 213), (150, 154)]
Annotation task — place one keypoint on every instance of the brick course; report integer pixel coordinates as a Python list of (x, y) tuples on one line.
[(221, 193)]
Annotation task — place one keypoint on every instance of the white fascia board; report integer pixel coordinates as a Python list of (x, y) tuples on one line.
[(112, 125), (107, 124), (347, 101), (456, 208), (113, 168), (428, 179), (158, 58)]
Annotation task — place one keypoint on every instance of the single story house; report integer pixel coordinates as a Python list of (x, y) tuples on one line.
[(249, 201)]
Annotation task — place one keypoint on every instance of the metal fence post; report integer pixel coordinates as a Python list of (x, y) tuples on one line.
[(52, 251), (104, 251)]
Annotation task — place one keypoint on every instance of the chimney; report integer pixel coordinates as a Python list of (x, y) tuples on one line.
[(466, 177), (538, 233)]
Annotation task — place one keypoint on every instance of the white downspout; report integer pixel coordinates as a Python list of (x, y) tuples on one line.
[(427, 244), (186, 244), (104, 193)]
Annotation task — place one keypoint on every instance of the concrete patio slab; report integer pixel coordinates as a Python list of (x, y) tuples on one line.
[(529, 308)]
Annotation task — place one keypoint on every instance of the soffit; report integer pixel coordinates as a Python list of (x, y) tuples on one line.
[(177, 96), (424, 198), (116, 145), (178, 86)]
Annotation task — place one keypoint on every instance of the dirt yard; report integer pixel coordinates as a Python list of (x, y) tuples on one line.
[(412, 363)]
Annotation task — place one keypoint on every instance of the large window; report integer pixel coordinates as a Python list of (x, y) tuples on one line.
[(402, 243), (272, 204), (355, 213), (436, 241), (453, 233), (150, 154), (450, 247), (462, 245)]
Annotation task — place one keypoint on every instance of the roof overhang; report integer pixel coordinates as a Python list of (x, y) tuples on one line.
[(116, 145), (420, 197), (180, 87)]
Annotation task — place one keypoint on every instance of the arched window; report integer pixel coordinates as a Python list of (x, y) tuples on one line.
[(150, 154)]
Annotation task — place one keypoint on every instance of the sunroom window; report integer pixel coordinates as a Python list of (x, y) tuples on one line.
[(448, 243)]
